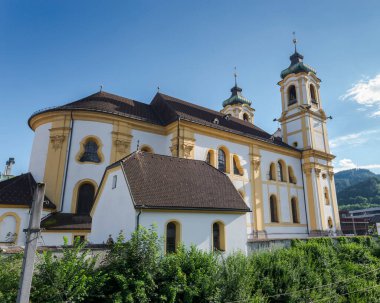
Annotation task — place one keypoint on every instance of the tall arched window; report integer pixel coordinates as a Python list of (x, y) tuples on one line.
[(172, 236), (90, 153), (273, 209), (238, 170), (280, 171), (292, 95), (272, 172), (330, 223), (313, 95), (292, 178), (85, 199), (221, 160), (210, 157), (218, 242), (327, 196), (295, 214)]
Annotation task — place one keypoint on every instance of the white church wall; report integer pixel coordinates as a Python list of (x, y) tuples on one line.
[(39, 151), (293, 126), (160, 144), (15, 220), (80, 171), (114, 211), (285, 232), (200, 233), (55, 238)]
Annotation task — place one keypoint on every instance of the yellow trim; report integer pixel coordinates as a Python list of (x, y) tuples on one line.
[(238, 165), (178, 233), (74, 199), (222, 234), (192, 211), (291, 175), (212, 157), (310, 200), (272, 172), (56, 158), (121, 140), (278, 183), (285, 224), (2, 206), (66, 231), (18, 222), (82, 144)]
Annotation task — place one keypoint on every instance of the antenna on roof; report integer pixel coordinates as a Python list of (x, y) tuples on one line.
[(295, 42), (101, 88)]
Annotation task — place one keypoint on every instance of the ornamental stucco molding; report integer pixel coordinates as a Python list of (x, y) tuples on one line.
[(122, 145), (187, 149), (57, 141)]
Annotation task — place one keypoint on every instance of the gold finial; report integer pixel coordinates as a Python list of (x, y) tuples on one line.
[(295, 42)]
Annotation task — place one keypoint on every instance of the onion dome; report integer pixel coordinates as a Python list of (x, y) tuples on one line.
[(236, 97), (297, 66)]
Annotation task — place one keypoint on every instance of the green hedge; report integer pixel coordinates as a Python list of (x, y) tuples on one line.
[(317, 270)]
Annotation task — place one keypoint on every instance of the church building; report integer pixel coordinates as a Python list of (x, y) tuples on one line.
[(209, 178)]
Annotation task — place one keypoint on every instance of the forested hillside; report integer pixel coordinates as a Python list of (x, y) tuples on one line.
[(357, 189)]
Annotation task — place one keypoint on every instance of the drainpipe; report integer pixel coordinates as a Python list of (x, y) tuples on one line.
[(179, 119), (304, 197), (67, 161), (138, 219)]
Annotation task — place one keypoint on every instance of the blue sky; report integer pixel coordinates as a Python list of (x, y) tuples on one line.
[(54, 52)]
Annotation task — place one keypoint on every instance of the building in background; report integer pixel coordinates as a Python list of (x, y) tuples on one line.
[(8, 170)]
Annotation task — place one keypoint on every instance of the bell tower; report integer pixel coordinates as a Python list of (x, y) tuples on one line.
[(303, 126), (237, 105)]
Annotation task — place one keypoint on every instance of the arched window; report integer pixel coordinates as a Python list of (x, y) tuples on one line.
[(327, 196), (313, 95), (221, 160), (238, 170), (292, 178), (9, 227), (172, 236), (218, 242), (147, 149), (245, 117), (292, 95), (330, 223), (273, 209), (272, 172), (90, 153), (295, 214), (85, 199), (210, 158), (281, 171)]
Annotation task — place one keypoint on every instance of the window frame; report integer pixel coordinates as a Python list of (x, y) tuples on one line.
[(177, 236), (82, 149), (274, 211), (221, 238)]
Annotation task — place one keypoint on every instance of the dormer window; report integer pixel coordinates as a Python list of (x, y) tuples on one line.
[(313, 95), (292, 95), (246, 117)]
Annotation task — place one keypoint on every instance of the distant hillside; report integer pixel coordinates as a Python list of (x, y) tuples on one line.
[(350, 177), (358, 195)]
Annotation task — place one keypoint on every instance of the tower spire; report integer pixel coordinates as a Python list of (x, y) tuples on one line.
[(295, 42), (235, 75)]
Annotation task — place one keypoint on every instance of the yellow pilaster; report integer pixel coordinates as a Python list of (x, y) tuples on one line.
[(334, 201), (56, 158), (321, 199), (310, 199), (257, 194), (121, 141)]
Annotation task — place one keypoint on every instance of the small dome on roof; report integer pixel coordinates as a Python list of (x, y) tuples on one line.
[(297, 66), (236, 97)]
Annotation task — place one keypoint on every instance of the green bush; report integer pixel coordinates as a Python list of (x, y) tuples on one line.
[(317, 270)]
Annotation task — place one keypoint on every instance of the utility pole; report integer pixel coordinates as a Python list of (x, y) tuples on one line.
[(31, 244)]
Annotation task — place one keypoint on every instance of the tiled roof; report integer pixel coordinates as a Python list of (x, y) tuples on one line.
[(19, 191), (157, 181), (164, 110), (66, 221)]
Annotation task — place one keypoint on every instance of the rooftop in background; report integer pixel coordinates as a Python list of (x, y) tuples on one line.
[(164, 182), (19, 191)]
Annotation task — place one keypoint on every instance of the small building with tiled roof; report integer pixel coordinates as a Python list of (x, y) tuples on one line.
[(148, 189), (285, 177)]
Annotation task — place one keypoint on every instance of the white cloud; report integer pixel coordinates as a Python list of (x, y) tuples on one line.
[(354, 138), (345, 164), (366, 92)]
